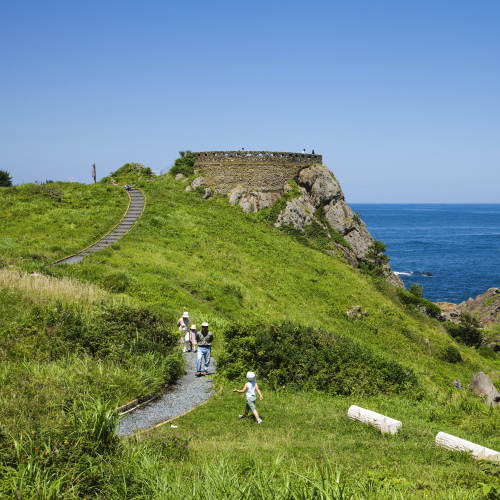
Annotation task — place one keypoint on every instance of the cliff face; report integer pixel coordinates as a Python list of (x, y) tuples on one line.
[(319, 192)]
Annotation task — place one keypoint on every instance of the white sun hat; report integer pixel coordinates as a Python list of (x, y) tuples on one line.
[(251, 376), (185, 315)]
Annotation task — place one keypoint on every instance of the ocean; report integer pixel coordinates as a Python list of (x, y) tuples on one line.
[(453, 251)]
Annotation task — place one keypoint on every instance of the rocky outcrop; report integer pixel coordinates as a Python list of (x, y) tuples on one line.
[(320, 190), (485, 307)]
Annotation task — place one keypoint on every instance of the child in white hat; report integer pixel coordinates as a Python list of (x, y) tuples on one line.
[(250, 388)]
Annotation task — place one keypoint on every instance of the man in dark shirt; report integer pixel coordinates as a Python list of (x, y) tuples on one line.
[(204, 339)]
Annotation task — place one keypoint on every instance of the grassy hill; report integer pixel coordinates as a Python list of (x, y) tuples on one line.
[(240, 274)]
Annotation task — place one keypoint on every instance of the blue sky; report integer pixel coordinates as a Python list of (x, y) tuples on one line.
[(400, 97)]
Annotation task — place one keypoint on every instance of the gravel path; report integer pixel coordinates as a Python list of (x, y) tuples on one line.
[(188, 392)]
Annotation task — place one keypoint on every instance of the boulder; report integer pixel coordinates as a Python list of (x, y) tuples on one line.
[(321, 185), (256, 200), (199, 181), (208, 194), (179, 177), (235, 195), (483, 386), (457, 384)]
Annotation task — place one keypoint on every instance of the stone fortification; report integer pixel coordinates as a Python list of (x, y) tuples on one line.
[(265, 171)]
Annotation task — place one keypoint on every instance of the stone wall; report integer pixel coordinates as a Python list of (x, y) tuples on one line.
[(265, 171)]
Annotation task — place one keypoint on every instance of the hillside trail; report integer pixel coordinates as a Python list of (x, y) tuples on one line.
[(134, 211), (186, 394)]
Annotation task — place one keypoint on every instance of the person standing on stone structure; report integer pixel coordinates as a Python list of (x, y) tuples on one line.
[(303, 151), (183, 325), (204, 340)]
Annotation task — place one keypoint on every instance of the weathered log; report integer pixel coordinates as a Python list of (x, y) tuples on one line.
[(385, 424), (453, 443)]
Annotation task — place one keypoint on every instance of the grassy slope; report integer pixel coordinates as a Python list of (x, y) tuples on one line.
[(36, 226), (223, 265)]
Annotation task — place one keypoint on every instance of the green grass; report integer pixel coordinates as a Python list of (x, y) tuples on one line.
[(44, 223), (227, 268)]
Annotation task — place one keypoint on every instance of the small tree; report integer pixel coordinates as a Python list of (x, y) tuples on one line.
[(417, 290), (469, 330), (184, 164), (374, 260), (5, 179)]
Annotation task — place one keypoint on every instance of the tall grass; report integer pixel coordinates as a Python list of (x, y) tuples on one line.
[(42, 289)]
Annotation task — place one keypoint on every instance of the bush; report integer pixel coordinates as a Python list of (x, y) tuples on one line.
[(5, 179), (374, 260), (466, 331), (450, 354), (416, 289), (184, 164), (303, 358), (424, 305)]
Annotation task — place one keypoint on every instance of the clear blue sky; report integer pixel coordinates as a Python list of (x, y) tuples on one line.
[(402, 98)]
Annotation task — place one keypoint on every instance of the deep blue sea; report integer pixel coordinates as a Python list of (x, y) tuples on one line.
[(459, 245)]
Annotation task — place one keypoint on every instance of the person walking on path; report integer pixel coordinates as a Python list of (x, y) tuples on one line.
[(250, 388), (204, 340), (192, 338), (183, 325)]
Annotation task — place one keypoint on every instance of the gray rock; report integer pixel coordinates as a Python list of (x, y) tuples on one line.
[(208, 194), (457, 384), (356, 312), (235, 195), (188, 188), (320, 184), (483, 386), (256, 200), (199, 181), (299, 212), (178, 177)]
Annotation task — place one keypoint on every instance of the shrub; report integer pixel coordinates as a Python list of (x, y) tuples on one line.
[(5, 179), (450, 354), (426, 306), (304, 358), (374, 260), (184, 164), (466, 331), (416, 289)]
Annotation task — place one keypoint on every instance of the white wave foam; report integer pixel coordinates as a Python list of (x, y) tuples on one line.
[(402, 274)]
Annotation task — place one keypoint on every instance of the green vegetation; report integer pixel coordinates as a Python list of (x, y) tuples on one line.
[(417, 290), (5, 179), (78, 340), (335, 364), (374, 260), (183, 165), (41, 224), (466, 331)]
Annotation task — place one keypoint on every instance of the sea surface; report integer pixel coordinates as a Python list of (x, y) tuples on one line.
[(453, 251)]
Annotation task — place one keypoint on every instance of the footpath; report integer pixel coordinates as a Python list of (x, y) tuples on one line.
[(187, 393), (134, 211)]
